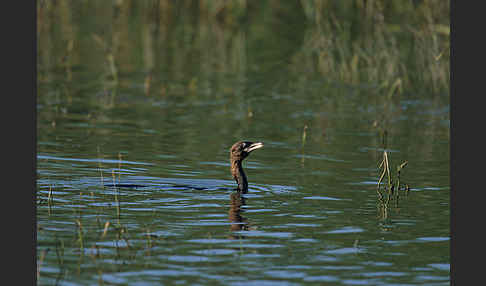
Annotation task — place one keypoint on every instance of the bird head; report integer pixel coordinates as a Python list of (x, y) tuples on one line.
[(240, 150)]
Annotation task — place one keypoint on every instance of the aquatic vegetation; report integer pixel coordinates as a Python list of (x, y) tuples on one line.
[(391, 190), (394, 46), (367, 42)]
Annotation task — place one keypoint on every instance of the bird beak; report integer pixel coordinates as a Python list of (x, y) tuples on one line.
[(253, 146)]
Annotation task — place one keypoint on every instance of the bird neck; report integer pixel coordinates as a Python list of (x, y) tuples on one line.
[(239, 176)]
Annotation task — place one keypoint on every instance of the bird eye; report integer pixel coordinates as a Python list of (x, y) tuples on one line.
[(243, 145)]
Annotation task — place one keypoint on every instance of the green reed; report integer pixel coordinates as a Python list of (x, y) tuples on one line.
[(396, 46)]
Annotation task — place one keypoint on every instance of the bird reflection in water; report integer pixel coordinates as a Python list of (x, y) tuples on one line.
[(238, 222)]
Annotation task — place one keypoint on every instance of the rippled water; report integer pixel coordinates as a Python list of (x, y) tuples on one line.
[(120, 205), (321, 224)]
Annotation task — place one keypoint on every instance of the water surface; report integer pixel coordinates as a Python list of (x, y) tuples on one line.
[(133, 181)]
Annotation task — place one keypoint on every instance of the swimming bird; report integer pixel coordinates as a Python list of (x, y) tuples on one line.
[(238, 152)]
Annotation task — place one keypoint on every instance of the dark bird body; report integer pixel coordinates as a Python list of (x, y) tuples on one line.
[(238, 152)]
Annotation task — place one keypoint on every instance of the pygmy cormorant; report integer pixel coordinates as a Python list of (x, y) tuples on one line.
[(238, 152)]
